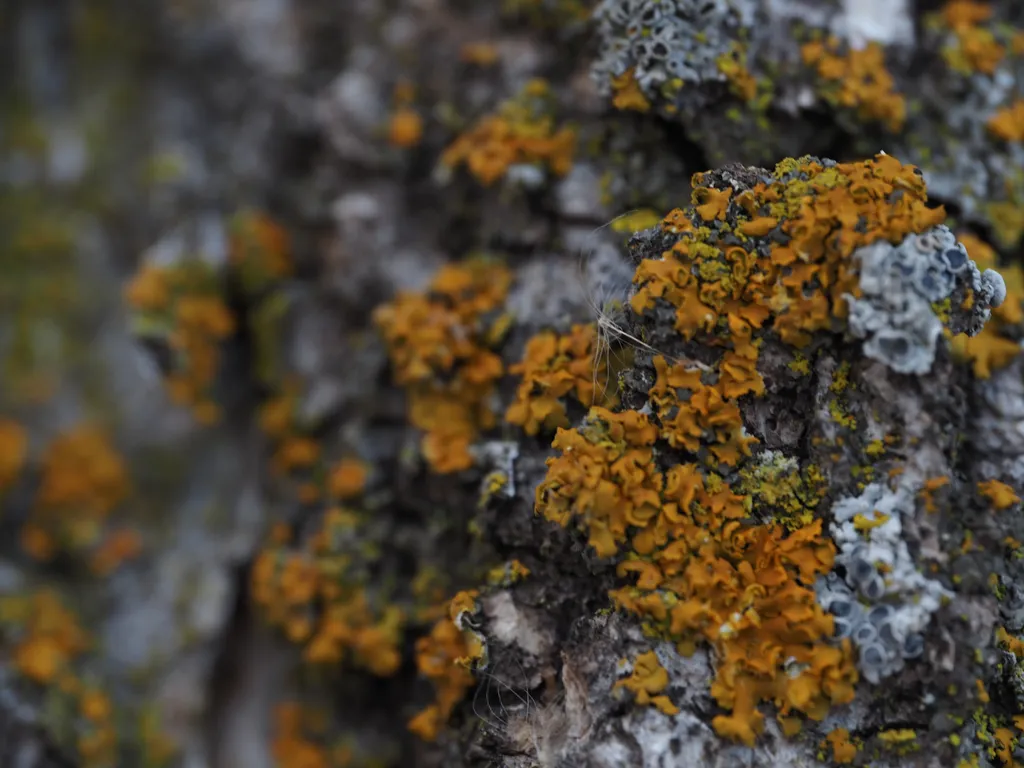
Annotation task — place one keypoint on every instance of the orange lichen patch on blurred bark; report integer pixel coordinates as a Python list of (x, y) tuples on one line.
[(439, 344), (183, 307), (482, 54), (626, 93), (405, 127), (993, 349), (13, 452), (276, 416), (1008, 122), (976, 48), (857, 79), (98, 743), (47, 636), (83, 479), (259, 250), (347, 479), (647, 682), (733, 65), (437, 659), (999, 494), (294, 453), (311, 590), (150, 289), (522, 131), (554, 367), (117, 548), (928, 490), (291, 748)]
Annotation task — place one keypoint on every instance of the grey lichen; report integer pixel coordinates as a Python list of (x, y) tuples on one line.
[(901, 284)]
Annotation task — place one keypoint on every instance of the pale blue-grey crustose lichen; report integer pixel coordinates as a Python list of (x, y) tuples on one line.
[(882, 602), (666, 43), (904, 285)]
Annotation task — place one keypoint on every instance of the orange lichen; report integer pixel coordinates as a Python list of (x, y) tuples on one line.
[(437, 655), (521, 132), (928, 489), (310, 590), (481, 54), (708, 415), (605, 478), (703, 569), (13, 450), (999, 494), (291, 747), (405, 128), (843, 750), (183, 307), (748, 590), (993, 348), (260, 251), (979, 686), (1010, 642), (438, 342), (1008, 123), (647, 681), (626, 93), (554, 367), (97, 745), (347, 479), (117, 548), (858, 80), (1002, 749), (50, 637), (83, 480), (729, 291), (741, 82), (976, 48)]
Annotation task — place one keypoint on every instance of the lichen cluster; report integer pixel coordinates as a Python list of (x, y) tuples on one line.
[(520, 136), (439, 342), (777, 259), (553, 368), (182, 308)]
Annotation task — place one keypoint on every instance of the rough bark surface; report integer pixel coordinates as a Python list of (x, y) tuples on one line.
[(512, 383)]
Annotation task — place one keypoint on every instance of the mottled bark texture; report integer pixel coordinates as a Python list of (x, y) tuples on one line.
[(304, 306)]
